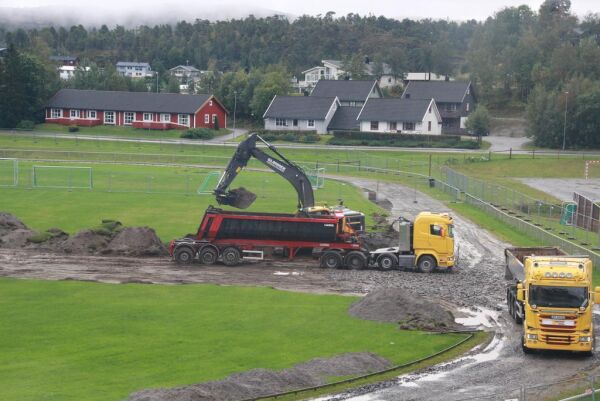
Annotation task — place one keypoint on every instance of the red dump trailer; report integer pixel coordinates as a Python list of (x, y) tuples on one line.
[(232, 236)]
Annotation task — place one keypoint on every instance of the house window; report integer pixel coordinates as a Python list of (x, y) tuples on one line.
[(429, 126), (128, 117), (429, 109), (206, 118), (434, 229), (408, 126), (75, 113), (109, 117), (214, 118), (295, 123), (165, 118), (393, 126), (451, 107), (210, 102), (467, 106), (56, 113), (310, 123), (147, 116), (92, 114), (280, 122), (183, 119), (374, 125)]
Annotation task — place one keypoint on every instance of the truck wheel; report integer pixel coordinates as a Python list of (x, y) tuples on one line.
[(592, 351), (524, 347), (387, 261), (208, 256), (331, 260), (426, 264), (184, 255), (231, 256), (356, 260)]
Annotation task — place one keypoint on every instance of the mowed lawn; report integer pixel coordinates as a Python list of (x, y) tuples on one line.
[(88, 341), (164, 198)]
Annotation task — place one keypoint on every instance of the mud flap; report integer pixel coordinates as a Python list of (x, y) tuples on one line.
[(239, 198)]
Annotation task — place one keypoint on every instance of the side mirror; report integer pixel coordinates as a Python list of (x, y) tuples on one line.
[(597, 295)]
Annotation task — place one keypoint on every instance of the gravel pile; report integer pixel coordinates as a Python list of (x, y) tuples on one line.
[(262, 382), (108, 238), (398, 306)]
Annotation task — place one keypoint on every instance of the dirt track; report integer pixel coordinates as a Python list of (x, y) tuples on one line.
[(475, 289)]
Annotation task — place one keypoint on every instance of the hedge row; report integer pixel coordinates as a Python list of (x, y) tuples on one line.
[(294, 136), (198, 133), (357, 138)]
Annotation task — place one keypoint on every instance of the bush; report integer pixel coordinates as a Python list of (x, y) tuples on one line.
[(72, 128), (26, 125), (299, 136), (198, 133), (359, 138)]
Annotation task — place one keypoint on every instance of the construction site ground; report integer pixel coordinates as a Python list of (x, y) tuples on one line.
[(474, 292)]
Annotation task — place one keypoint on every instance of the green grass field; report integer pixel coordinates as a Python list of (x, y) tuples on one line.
[(165, 198), (89, 341)]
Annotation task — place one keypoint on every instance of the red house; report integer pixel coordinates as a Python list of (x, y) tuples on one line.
[(136, 109)]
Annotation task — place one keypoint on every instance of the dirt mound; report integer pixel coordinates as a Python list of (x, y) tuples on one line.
[(17, 238), (9, 223), (136, 241), (85, 241), (411, 312), (383, 234), (262, 382)]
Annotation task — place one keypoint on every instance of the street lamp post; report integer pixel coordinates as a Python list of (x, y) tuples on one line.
[(234, 107), (565, 120), (156, 81)]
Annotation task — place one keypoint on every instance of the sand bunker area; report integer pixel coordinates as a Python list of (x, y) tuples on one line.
[(108, 238)]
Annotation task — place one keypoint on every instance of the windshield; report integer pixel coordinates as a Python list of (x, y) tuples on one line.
[(558, 297), (451, 230)]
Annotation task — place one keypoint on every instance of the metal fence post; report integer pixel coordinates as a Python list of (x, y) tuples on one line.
[(593, 383)]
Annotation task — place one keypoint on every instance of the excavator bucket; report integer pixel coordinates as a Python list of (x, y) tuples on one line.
[(239, 198)]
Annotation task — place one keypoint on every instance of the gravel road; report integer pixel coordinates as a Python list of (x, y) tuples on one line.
[(474, 291)]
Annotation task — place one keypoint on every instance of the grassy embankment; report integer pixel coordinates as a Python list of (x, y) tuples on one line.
[(89, 341)]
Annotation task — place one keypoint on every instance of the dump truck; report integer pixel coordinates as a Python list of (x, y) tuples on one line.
[(426, 244), (551, 296), (234, 236)]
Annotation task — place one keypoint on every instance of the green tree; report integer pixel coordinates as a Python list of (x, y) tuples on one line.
[(478, 122), (173, 85), (272, 83)]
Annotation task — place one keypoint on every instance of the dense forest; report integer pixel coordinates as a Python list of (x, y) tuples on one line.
[(518, 59)]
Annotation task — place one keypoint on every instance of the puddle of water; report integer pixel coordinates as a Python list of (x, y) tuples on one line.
[(287, 274), (482, 318)]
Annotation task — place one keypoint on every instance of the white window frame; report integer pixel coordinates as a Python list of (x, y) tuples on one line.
[(56, 113), (126, 119), (92, 115), (74, 113), (144, 115), (280, 122), (183, 119), (467, 106), (165, 117), (113, 117), (206, 118), (406, 126), (395, 126), (374, 126), (210, 103), (310, 123)]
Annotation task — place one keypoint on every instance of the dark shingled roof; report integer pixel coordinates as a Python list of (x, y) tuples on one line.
[(344, 119), (301, 107), (63, 58), (441, 91), (349, 91), (127, 101), (394, 109)]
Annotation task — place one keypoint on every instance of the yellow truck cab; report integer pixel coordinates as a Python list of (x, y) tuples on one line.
[(552, 297), (427, 244)]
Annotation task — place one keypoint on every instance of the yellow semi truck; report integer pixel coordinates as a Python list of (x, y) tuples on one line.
[(551, 296), (425, 244)]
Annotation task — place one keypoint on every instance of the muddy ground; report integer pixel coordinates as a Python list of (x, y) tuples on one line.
[(474, 291)]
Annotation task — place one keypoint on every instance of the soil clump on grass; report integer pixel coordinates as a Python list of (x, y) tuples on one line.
[(263, 382), (411, 312), (110, 237)]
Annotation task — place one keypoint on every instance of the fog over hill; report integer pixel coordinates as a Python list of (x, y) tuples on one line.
[(128, 16)]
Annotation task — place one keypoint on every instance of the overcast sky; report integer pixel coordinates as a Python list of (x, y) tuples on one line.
[(454, 10)]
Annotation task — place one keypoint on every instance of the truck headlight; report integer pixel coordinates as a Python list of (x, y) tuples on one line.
[(532, 336), (585, 339)]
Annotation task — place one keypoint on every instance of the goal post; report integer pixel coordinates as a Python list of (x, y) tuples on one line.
[(587, 167), (206, 187), (68, 177), (316, 177), (9, 172)]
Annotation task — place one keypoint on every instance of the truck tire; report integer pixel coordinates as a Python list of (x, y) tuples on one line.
[(387, 261), (355, 260), (231, 256), (426, 264), (526, 350), (331, 260), (184, 255), (208, 255), (591, 352)]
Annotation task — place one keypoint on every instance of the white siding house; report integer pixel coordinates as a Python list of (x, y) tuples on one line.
[(401, 115), (300, 113)]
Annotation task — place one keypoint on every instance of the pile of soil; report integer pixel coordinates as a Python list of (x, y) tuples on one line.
[(108, 238), (410, 311), (382, 235), (262, 382)]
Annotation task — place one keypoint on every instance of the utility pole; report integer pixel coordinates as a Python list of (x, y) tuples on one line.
[(156, 81), (234, 107), (565, 121)]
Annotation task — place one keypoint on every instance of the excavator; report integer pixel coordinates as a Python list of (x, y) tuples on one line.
[(241, 198)]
